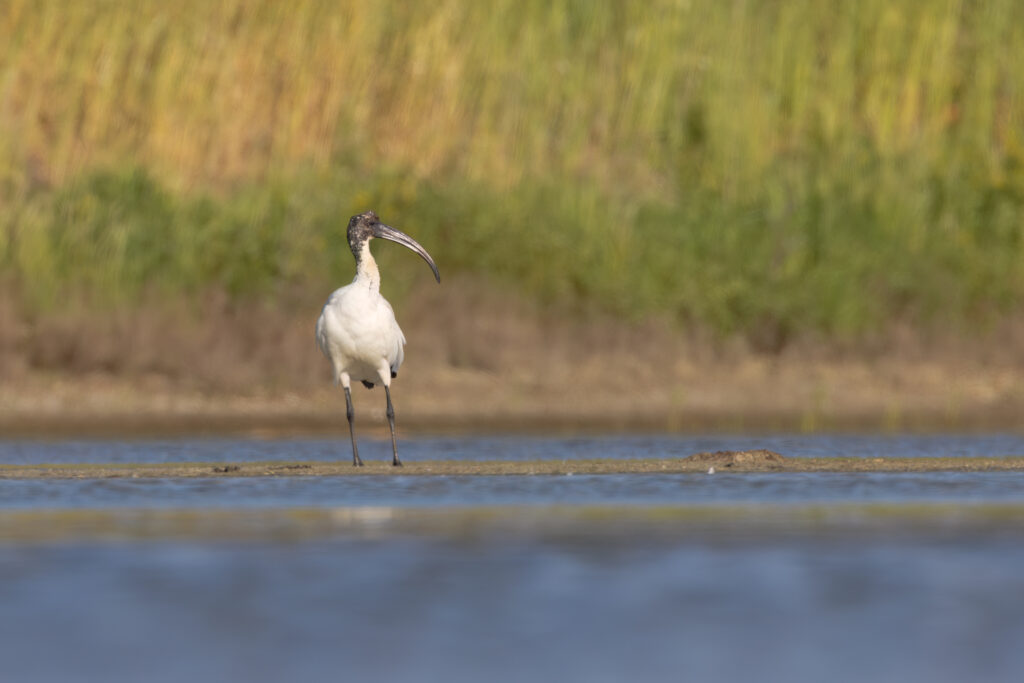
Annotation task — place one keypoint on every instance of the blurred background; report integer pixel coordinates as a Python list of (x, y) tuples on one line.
[(669, 213), (721, 224)]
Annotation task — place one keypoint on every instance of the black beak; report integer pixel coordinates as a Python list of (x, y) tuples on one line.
[(388, 233)]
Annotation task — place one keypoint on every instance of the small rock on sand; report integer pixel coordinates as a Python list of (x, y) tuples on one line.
[(755, 458)]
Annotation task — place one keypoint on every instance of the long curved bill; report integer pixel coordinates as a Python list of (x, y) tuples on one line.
[(389, 233)]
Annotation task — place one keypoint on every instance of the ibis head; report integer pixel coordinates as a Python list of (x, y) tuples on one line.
[(365, 226)]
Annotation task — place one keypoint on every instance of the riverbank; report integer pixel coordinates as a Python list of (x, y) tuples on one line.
[(604, 391), (482, 360), (722, 462)]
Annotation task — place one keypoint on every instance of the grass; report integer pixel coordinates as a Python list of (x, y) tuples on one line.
[(759, 168)]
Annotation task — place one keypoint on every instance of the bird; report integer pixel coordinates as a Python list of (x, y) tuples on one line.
[(357, 330)]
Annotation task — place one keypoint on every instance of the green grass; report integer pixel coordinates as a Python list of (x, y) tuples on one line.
[(761, 168)]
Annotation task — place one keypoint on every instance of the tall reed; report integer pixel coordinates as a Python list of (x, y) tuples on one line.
[(795, 165)]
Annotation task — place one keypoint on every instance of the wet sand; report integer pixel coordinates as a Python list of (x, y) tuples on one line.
[(723, 462)]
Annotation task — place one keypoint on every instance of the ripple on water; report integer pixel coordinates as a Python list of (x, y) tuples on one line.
[(433, 491), (506, 448)]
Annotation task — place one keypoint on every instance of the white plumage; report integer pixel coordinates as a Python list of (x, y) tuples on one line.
[(358, 333)]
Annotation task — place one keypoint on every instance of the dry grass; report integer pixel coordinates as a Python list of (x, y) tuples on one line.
[(613, 91), (761, 169)]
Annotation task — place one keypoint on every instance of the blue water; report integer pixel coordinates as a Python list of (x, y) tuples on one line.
[(610, 609), (506, 448), (597, 602), (438, 491)]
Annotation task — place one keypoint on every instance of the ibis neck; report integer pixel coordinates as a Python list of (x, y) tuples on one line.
[(367, 272)]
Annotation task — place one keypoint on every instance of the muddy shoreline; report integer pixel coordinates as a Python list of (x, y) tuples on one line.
[(719, 463), (492, 363)]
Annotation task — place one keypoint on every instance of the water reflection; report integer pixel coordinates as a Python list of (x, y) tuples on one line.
[(510, 610), (338, 578)]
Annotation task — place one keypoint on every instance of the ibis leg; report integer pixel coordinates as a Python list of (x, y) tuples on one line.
[(356, 460), (391, 421)]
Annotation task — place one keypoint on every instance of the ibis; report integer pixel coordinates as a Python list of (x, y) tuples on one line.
[(357, 330)]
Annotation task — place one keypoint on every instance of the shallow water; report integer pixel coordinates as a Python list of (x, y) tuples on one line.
[(434, 491), (613, 609), (582, 602), (31, 452)]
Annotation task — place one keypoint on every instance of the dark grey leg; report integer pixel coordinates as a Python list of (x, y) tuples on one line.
[(356, 461), (391, 421)]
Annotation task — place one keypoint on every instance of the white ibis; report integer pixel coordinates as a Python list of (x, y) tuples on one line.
[(357, 330)]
